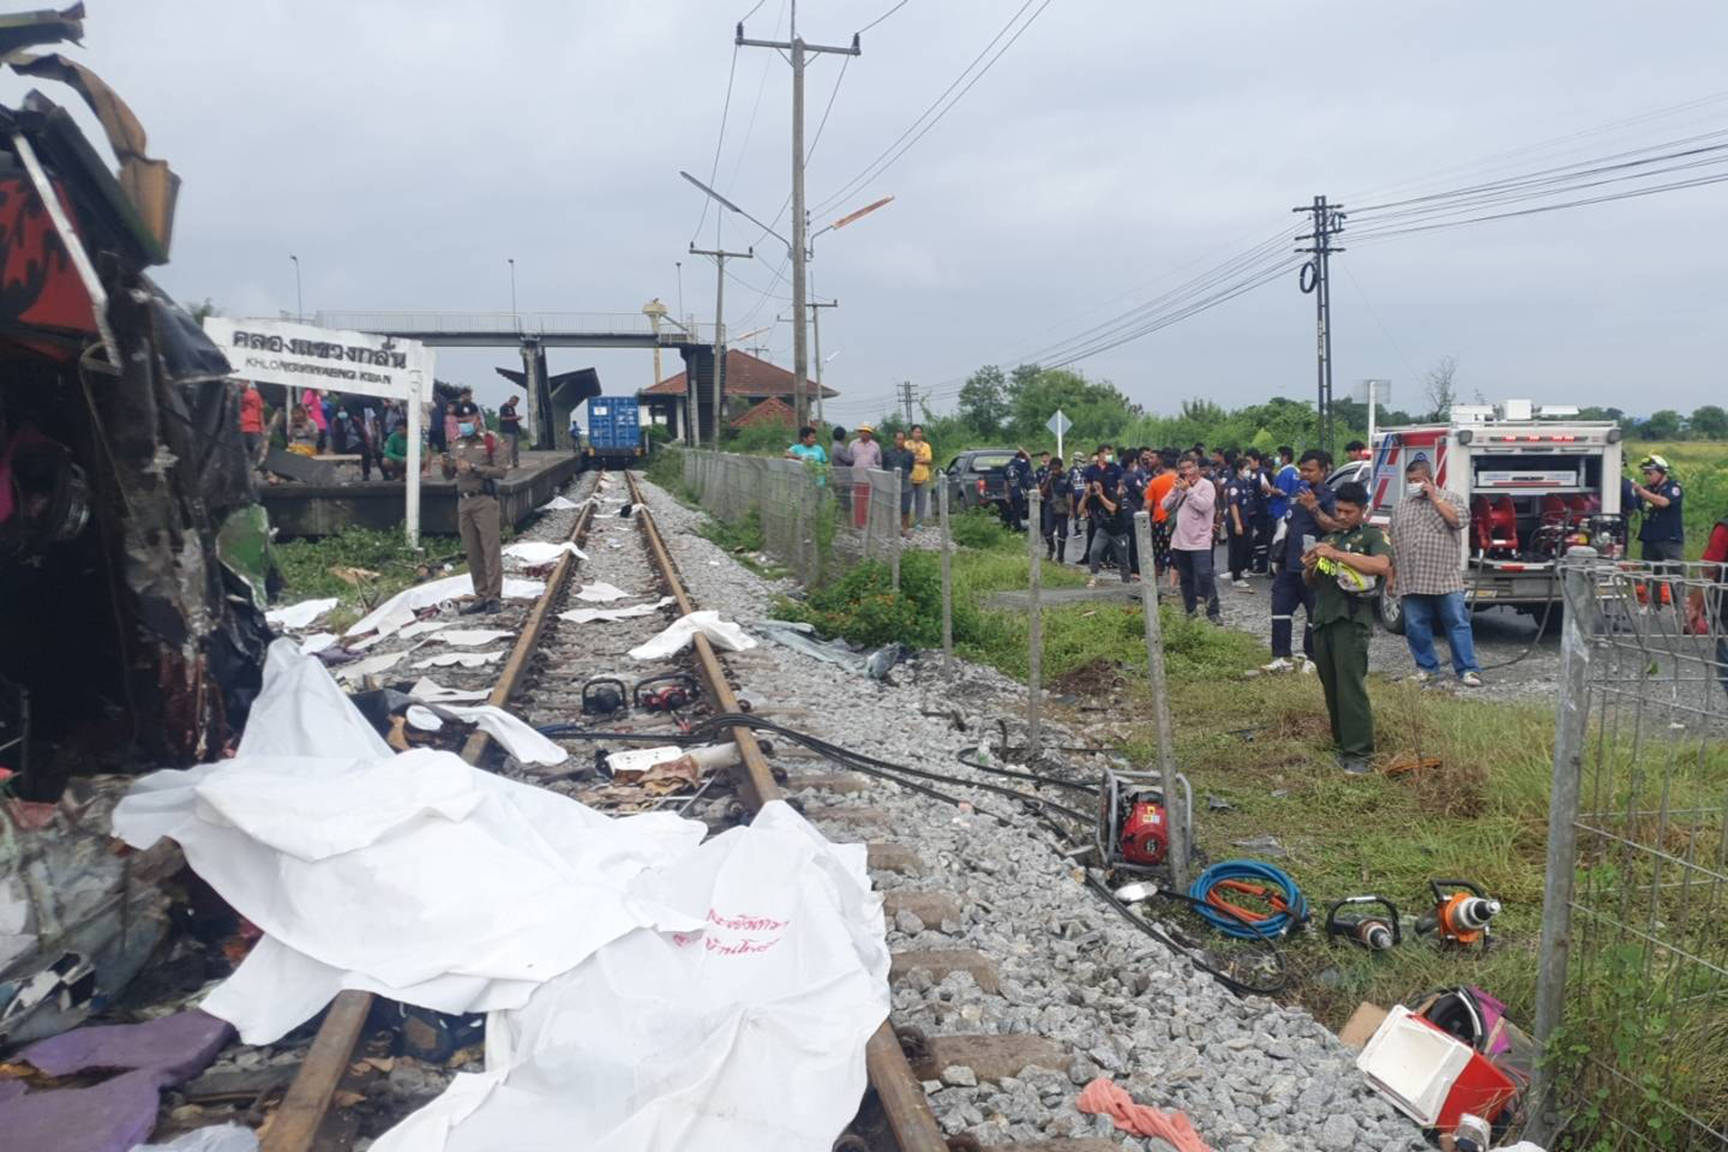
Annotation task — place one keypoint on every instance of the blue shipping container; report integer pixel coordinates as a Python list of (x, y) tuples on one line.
[(614, 424)]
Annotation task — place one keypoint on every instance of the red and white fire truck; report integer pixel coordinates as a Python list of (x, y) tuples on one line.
[(1536, 483)]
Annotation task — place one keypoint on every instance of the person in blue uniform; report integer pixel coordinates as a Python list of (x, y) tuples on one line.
[(1312, 516), (1663, 534)]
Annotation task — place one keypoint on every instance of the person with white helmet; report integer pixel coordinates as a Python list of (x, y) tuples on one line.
[(1663, 534)]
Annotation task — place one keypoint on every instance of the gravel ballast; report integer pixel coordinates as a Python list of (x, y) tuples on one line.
[(1251, 1075)]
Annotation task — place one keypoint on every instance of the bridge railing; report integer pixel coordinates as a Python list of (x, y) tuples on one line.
[(412, 324)]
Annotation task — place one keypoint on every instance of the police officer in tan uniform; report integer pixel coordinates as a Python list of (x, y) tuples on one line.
[(470, 462)]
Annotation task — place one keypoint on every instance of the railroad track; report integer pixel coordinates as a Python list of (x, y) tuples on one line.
[(542, 678), (1054, 989)]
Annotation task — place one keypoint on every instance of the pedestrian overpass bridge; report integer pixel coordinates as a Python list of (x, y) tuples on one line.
[(514, 329), (532, 333)]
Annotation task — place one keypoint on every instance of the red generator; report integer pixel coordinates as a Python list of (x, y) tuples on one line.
[(1133, 832)]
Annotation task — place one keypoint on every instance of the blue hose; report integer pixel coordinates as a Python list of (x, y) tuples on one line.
[(1293, 913)]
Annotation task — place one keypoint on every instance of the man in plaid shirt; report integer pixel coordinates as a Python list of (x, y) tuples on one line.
[(1427, 532)]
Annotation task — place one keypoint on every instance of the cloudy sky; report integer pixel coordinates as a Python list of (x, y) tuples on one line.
[(404, 151)]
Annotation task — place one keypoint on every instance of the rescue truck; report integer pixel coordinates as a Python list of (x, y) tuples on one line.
[(1537, 482)]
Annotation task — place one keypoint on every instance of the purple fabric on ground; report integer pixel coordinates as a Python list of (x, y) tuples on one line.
[(111, 1117), (116, 1114), (178, 1047)]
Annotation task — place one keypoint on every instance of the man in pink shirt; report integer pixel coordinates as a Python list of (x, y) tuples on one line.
[(1190, 503)]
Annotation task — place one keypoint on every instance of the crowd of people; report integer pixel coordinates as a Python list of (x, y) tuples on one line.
[(370, 430)]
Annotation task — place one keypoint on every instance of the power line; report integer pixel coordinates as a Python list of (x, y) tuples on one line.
[(1514, 157), (750, 128), (934, 114), (1629, 194), (817, 139), (883, 17), (725, 112)]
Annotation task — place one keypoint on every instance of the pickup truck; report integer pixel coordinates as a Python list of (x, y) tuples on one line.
[(978, 478)]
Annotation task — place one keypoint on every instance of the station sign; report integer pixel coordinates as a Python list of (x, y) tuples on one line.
[(328, 359)]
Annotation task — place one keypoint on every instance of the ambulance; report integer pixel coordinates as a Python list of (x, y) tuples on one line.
[(1537, 482)]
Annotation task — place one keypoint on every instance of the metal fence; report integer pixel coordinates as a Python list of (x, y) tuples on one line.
[(1632, 999), (816, 520)]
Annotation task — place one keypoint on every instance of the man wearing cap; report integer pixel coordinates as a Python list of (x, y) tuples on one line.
[(1663, 534)]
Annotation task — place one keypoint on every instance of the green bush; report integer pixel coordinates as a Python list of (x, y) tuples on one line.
[(863, 607), (983, 529)]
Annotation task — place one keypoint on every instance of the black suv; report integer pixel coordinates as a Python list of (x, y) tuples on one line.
[(978, 478)]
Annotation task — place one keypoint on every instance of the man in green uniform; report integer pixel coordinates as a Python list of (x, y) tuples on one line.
[(471, 462), (1346, 569)]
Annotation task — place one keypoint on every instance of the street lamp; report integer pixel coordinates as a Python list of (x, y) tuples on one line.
[(798, 258), (515, 318), (299, 303), (858, 215)]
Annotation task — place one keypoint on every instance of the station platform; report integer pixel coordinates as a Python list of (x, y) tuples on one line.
[(312, 510)]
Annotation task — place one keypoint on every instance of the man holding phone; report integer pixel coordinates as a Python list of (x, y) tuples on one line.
[(1191, 501), (1427, 531)]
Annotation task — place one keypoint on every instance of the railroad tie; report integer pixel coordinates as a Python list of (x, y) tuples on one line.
[(942, 962)]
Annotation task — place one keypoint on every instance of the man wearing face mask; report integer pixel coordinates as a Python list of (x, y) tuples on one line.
[(470, 461)]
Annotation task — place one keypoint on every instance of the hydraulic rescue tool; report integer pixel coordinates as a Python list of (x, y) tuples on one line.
[(1363, 923), (667, 693), (604, 696), (1462, 912), (1133, 833)]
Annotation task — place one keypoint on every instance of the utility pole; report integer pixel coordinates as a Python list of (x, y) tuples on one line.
[(1328, 222), (906, 399), (816, 334), (720, 256), (800, 224)]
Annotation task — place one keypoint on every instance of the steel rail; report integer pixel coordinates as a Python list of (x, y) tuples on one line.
[(297, 1122), (905, 1106)]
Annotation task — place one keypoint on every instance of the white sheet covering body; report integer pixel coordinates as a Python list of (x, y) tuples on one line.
[(414, 875), (647, 992), (722, 634), (747, 1034)]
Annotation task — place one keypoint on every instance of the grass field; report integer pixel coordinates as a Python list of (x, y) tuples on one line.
[(1260, 745), (1701, 468)]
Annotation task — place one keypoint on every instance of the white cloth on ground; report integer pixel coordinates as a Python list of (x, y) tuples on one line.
[(767, 1008), (601, 592), (470, 637), (461, 659), (613, 615), (432, 692), (398, 611), (559, 504), (299, 615), (415, 875), (316, 643), (677, 636), (537, 552), (518, 737)]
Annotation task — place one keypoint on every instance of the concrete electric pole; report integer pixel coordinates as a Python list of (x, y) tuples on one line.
[(816, 339), (905, 391), (720, 256), (798, 50), (1328, 222)]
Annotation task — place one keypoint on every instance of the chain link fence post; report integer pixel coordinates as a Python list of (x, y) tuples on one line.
[(899, 541), (1034, 633), (947, 577), (1175, 799), (1571, 720)]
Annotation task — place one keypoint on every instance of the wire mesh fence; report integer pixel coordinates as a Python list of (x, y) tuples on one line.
[(816, 520), (1633, 985)]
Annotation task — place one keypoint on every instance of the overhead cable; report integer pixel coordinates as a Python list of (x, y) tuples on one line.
[(942, 105)]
